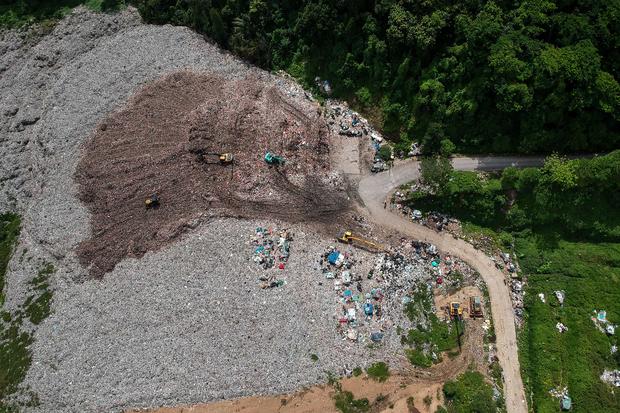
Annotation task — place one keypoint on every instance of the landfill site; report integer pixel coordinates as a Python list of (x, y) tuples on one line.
[(204, 224)]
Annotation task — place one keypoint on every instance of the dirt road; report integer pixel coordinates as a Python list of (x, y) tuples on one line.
[(373, 190)]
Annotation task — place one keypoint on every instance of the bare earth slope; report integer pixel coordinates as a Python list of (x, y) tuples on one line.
[(162, 143)]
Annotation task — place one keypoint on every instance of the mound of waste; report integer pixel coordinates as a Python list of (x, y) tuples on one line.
[(193, 145)]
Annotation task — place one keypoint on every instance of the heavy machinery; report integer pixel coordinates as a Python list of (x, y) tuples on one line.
[(456, 315), (273, 159), (152, 201), (223, 158), (475, 307), (348, 238), (456, 311)]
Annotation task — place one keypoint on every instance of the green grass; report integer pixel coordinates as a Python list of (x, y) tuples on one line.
[(378, 371), (590, 276), (15, 356), (439, 336), (17, 13), (418, 358), (469, 393), (346, 403), (37, 305), (10, 225)]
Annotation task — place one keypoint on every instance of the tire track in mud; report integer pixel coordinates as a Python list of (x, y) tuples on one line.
[(155, 145)]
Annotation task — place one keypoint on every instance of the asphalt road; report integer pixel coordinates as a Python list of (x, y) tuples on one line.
[(374, 189)]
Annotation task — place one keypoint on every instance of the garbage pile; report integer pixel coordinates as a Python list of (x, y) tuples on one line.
[(359, 312), (562, 394), (612, 377), (561, 327), (516, 293), (346, 122), (508, 262), (601, 322), (271, 250), (370, 296)]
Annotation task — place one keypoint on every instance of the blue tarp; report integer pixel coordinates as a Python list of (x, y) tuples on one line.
[(333, 257), (566, 403), (368, 309)]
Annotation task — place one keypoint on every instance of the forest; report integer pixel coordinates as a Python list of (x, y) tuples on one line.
[(482, 76), (535, 76)]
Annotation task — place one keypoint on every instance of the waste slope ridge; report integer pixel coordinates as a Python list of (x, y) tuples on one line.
[(152, 146)]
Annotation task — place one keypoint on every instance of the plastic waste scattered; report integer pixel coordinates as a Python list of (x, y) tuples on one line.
[(376, 337)]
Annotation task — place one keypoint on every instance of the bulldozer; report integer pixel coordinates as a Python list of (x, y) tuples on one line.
[(475, 307), (348, 238)]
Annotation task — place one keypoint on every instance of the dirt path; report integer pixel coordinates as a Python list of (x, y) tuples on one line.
[(374, 189)]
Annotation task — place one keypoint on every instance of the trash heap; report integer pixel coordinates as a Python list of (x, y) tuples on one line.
[(601, 322), (271, 251), (562, 395), (612, 377), (347, 122), (359, 312), (370, 300)]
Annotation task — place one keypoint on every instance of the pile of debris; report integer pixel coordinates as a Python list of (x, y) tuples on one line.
[(203, 156), (368, 306), (601, 322), (346, 122), (516, 293), (562, 394), (508, 263), (359, 310), (612, 377), (271, 250)]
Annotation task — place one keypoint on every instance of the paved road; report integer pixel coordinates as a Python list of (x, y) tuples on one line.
[(373, 190)]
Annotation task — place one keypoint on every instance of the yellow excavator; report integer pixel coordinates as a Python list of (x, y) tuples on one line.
[(456, 311), (348, 238), (223, 158)]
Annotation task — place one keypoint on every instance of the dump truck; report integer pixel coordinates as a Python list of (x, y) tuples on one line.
[(475, 307), (347, 237), (273, 159)]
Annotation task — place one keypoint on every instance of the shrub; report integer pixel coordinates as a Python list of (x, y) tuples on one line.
[(379, 371)]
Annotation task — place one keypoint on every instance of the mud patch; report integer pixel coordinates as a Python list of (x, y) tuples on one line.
[(160, 144)]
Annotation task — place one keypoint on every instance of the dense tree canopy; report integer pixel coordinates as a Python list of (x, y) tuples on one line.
[(529, 76)]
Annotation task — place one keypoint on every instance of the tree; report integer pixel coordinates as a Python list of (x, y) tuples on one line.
[(447, 147), (436, 172)]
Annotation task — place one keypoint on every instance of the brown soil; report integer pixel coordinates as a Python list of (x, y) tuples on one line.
[(159, 144), (391, 396)]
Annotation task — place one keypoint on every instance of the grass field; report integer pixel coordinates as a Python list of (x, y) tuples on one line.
[(589, 274), (15, 356)]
